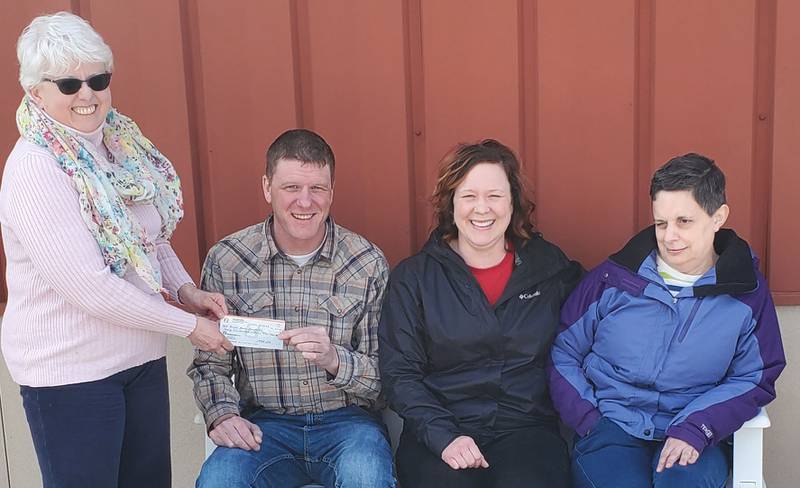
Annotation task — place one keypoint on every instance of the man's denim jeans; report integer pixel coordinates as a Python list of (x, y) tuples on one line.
[(345, 448)]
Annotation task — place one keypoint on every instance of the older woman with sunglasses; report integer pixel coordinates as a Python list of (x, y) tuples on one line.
[(87, 206)]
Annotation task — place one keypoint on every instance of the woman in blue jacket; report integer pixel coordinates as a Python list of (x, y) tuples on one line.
[(465, 333), (669, 346)]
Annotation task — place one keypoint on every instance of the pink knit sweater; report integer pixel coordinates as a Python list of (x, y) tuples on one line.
[(69, 319)]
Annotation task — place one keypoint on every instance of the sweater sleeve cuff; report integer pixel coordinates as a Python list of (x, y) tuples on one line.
[(688, 433), (173, 289), (178, 322)]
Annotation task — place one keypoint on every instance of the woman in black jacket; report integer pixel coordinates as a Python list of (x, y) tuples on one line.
[(466, 329)]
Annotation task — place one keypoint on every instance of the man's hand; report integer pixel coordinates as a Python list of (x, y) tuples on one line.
[(315, 345), (234, 431), (207, 337), (463, 453), (676, 450), (207, 304)]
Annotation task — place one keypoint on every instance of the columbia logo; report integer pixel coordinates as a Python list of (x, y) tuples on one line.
[(528, 296), (707, 431)]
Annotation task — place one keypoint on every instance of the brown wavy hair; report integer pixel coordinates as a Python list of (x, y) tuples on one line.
[(453, 168)]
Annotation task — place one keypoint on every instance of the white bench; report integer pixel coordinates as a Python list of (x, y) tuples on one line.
[(748, 448), (748, 453)]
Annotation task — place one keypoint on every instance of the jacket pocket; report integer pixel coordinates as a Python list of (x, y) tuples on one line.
[(250, 303)]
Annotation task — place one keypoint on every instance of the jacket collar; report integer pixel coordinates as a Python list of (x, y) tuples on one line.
[(532, 255), (735, 268)]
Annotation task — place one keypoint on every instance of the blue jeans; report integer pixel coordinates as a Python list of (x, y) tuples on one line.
[(109, 433), (345, 448), (609, 456)]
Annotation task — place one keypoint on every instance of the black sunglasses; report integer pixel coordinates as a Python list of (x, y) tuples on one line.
[(70, 86)]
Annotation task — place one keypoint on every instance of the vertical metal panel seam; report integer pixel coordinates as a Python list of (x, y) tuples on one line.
[(301, 62), (527, 11), (416, 82), (763, 126), (295, 43), (195, 108), (644, 99), (81, 8), (411, 125), (523, 145)]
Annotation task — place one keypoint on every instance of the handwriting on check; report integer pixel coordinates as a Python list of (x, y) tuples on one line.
[(252, 332)]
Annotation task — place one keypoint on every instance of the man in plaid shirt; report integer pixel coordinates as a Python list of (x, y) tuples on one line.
[(302, 414)]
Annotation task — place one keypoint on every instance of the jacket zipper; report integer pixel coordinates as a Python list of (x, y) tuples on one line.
[(689, 321)]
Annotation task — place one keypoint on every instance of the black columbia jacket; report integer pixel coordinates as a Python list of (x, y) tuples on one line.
[(452, 364)]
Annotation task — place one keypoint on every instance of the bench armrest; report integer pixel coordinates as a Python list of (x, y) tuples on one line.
[(748, 452)]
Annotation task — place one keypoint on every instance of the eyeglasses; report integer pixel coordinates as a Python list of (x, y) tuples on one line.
[(71, 86)]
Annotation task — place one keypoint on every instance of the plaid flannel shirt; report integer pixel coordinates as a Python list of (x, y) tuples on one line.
[(340, 288)]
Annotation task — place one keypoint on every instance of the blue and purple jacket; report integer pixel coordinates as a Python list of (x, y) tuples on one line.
[(694, 367)]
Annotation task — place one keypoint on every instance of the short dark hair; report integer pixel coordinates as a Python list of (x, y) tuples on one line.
[(693, 172), (302, 145), (454, 167)]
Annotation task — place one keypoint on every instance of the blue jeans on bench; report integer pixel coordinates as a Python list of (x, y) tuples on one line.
[(609, 456), (345, 448)]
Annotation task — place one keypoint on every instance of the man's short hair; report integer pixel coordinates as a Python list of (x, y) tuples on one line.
[(302, 145), (695, 173)]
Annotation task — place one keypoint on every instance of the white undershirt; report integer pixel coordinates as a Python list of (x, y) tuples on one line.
[(302, 259), (674, 279)]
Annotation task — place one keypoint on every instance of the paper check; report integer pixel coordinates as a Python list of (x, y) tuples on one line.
[(252, 332)]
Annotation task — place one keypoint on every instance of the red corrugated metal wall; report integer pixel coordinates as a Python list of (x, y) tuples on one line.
[(593, 95)]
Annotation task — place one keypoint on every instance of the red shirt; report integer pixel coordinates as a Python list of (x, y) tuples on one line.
[(493, 280)]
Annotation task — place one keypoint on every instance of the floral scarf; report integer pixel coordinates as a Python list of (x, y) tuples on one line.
[(135, 172)]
